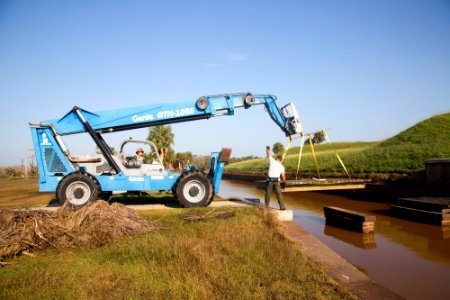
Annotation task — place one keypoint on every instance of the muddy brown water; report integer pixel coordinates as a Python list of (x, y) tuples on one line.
[(411, 259)]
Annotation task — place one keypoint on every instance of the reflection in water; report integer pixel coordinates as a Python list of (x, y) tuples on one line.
[(360, 240), (409, 258), (316, 219), (445, 232), (426, 240)]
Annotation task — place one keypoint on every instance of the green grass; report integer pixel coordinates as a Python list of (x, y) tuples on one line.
[(243, 257), (403, 153), (23, 193)]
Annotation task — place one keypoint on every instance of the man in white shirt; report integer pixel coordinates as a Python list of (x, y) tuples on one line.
[(276, 171)]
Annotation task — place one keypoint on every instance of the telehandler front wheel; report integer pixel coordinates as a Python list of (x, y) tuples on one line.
[(78, 189), (194, 190)]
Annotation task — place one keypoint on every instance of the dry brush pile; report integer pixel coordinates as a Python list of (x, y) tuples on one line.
[(24, 230)]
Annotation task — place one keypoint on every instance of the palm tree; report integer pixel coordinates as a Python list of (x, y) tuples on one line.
[(319, 137), (163, 138), (184, 157), (277, 148)]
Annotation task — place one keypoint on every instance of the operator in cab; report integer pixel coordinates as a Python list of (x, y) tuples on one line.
[(274, 175), (139, 157)]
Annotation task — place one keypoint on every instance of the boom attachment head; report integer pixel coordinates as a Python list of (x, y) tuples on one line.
[(293, 124)]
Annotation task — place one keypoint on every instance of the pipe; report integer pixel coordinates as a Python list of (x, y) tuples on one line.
[(98, 140)]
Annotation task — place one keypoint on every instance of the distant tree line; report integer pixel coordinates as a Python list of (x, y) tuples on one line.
[(238, 159), (18, 172)]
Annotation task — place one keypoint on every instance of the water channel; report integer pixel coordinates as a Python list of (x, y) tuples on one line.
[(412, 259)]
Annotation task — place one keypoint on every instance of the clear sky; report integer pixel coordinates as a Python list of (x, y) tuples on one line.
[(365, 69)]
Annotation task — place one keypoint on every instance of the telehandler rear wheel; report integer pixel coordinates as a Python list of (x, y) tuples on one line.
[(78, 189), (194, 190)]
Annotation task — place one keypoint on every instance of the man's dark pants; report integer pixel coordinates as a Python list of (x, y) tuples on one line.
[(275, 186)]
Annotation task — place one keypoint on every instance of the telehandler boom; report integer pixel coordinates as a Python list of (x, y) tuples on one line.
[(80, 180)]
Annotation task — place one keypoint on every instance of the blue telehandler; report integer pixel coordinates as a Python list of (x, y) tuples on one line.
[(80, 180)]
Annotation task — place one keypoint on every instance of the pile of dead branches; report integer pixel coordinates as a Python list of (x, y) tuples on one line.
[(24, 230)]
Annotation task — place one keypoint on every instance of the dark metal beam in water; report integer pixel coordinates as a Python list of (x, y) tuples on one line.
[(428, 209)]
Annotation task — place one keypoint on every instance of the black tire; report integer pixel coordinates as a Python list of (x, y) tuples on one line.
[(105, 195), (194, 190), (211, 199), (78, 189)]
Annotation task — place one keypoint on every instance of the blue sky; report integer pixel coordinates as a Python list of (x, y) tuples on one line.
[(365, 69)]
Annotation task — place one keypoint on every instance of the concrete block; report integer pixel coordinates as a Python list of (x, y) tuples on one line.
[(284, 215)]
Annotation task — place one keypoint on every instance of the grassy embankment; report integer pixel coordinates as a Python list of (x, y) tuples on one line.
[(402, 154), (242, 257)]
